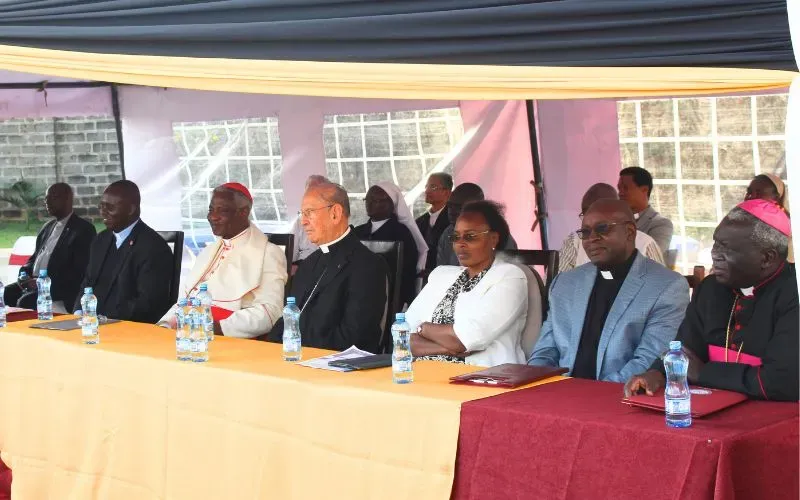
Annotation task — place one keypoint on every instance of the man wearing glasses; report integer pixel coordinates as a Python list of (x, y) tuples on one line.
[(433, 222), (341, 287), (611, 318), (572, 253)]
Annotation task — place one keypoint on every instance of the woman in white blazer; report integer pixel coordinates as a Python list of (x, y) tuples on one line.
[(475, 313)]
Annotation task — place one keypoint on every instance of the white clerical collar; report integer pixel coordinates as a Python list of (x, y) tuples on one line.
[(435, 215), (636, 216), (326, 247), (377, 224), (607, 275), (232, 241), (748, 292)]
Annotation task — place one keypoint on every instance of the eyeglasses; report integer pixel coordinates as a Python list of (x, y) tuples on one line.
[(309, 211), (431, 187), (467, 237), (601, 230)]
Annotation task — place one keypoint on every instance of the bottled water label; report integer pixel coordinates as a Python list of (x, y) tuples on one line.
[(677, 406), (402, 365)]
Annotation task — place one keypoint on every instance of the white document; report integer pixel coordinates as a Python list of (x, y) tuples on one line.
[(322, 363)]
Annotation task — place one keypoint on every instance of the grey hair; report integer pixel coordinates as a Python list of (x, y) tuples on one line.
[(241, 200), (763, 235), (316, 180), (333, 194)]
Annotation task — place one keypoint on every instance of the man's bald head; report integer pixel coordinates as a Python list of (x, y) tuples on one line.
[(608, 231), (599, 191), (58, 200), (120, 205), (614, 210)]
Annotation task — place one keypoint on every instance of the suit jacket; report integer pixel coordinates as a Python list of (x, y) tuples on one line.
[(68, 260), (393, 230), (250, 281), (432, 234), (645, 316), (140, 282), (657, 227), (349, 303)]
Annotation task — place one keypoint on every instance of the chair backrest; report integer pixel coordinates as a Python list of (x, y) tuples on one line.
[(285, 241), (670, 258), (533, 324), (392, 252), (175, 240), (545, 258)]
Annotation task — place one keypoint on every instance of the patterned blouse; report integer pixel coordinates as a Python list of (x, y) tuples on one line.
[(444, 314)]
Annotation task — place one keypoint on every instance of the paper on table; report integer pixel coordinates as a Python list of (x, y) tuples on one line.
[(322, 363)]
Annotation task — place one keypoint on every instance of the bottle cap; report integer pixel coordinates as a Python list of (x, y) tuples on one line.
[(88, 289), (182, 301), (290, 300), (203, 287), (675, 345), (400, 317)]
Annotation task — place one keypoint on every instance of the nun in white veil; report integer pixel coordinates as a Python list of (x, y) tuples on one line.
[(390, 219)]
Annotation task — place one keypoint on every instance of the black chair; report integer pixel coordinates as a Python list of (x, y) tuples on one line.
[(545, 258), (392, 252), (175, 240), (285, 241)]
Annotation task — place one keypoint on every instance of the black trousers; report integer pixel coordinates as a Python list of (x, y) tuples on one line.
[(14, 296)]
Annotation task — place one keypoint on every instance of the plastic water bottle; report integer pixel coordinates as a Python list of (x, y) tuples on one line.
[(90, 324), (205, 304), (402, 372), (44, 301), (197, 332), (292, 339), (183, 348), (677, 398), (2, 306)]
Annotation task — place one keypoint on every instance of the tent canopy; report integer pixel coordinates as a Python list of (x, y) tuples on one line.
[(545, 49)]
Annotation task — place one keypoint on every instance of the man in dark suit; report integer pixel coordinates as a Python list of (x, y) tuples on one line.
[(62, 248), (341, 287), (433, 222), (130, 265)]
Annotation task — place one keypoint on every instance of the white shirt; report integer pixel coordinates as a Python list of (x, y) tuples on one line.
[(326, 247), (489, 319), (377, 224), (122, 235), (47, 249), (435, 216)]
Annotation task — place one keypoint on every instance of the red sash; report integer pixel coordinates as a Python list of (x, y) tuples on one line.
[(717, 354), (218, 313)]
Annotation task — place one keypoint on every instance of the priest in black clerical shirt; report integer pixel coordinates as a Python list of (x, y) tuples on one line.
[(612, 317), (741, 329), (341, 287)]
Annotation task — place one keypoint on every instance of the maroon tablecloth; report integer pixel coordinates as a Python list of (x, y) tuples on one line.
[(5, 482), (576, 440)]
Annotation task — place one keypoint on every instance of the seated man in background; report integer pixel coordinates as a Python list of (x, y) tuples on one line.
[(572, 253), (245, 273), (433, 222), (613, 317), (462, 194), (741, 329), (302, 246), (62, 247), (635, 187), (341, 288), (130, 265)]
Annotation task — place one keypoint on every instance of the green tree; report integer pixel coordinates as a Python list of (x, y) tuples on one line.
[(24, 196)]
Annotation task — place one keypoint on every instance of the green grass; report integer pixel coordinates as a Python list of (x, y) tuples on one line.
[(10, 231)]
